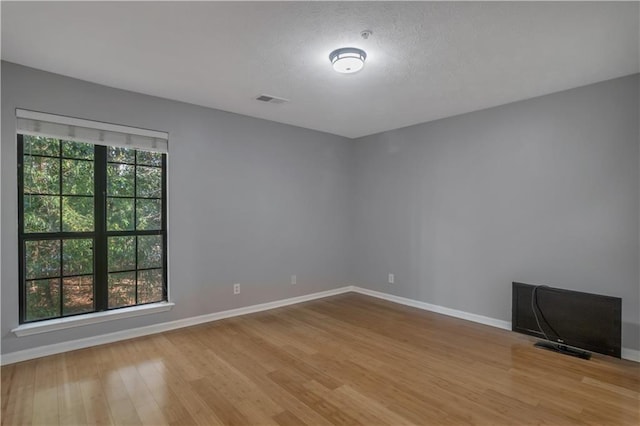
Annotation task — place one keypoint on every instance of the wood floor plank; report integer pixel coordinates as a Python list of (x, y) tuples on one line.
[(70, 406), (286, 418), (45, 398), (345, 360)]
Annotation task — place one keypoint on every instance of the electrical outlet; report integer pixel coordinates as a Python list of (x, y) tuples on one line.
[(294, 280), (392, 278), (236, 288)]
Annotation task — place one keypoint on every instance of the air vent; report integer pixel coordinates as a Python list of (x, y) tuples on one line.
[(271, 99)]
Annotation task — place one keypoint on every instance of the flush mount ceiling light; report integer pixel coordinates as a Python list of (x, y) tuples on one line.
[(348, 59)]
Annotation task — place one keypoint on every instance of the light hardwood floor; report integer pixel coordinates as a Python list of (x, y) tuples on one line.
[(348, 359)]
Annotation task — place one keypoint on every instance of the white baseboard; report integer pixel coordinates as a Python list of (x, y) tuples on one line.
[(72, 345), (27, 354), (436, 308), (629, 354)]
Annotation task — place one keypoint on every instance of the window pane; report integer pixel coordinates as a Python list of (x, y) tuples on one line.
[(121, 155), (148, 214), (149, 183), (120, 180), (122, 289), (119, 214), (150, 251), (122, 253), (41, 213), (77, 177), (77, 295), (150, 286), (77, 256), (42, 258), (77, 214), (43, 299), (41, 146), (149, 158), (41, 175), (77, 150)]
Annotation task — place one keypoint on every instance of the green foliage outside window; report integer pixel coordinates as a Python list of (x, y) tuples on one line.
[(59, 227)]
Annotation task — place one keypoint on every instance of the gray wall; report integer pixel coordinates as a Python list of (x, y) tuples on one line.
[(541, 191), (250, 201)]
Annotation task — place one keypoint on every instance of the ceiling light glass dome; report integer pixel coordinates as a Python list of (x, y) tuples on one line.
[(348, 60)]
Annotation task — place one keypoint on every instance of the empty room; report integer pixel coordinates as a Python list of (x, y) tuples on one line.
[(319, 213)]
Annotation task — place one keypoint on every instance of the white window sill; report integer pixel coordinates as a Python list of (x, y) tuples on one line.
[(93, 318)]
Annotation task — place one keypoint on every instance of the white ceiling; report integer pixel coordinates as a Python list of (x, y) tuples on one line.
[(425, 60)]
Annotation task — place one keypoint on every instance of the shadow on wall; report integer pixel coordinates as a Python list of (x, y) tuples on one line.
[(631, 335)]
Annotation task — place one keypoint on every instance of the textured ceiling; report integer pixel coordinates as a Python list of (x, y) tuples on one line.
[(425, 60)]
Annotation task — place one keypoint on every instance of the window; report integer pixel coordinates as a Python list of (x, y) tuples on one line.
[(92, 227)]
